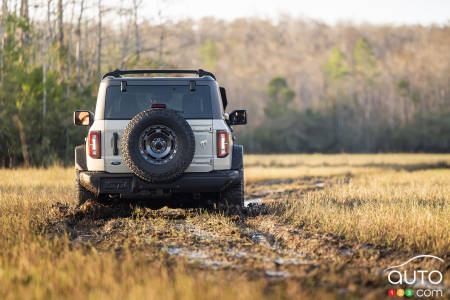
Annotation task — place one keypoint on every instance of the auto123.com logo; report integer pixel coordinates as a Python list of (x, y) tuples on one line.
[(417, 282)]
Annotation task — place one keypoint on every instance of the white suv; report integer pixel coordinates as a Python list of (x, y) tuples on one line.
[(156, 136)]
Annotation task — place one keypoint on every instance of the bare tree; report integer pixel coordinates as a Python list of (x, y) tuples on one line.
[(23, 139), (45, 49), (69, 49), (99, 42), (161, 35), (60, 25), (60, 33), (89, 53), (78, 33), (2, 36), (49, 19), (24, 14), (24, 38), (24, 9), (4, 10), (136, 5), (44, 76), (125, 17)]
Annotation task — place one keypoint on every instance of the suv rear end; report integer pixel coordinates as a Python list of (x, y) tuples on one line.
[(137, 145)]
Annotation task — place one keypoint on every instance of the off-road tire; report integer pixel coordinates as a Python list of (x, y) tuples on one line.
[(233, 195), (82, 193), (177, 165)]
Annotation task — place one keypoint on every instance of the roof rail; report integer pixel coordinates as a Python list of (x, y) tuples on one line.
[(119, 73)]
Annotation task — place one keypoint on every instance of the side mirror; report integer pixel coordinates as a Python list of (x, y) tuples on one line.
[(83, 118), (238, 117)]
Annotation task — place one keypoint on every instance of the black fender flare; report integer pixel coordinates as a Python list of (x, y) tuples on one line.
[(237, 158), (80, 157)]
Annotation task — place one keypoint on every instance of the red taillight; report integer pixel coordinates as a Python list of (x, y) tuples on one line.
[(223, 144), (94, 144)]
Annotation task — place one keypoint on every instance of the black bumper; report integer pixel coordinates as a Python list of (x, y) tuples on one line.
[(109, 183)]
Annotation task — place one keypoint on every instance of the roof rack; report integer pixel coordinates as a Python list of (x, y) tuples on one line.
[(119, 73)]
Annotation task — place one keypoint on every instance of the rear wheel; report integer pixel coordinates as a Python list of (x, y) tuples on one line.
[(83, 194), (234, 194)]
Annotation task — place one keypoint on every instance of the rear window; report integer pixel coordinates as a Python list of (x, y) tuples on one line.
[(190, 104)]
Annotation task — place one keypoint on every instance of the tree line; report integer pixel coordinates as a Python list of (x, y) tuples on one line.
[(350, 117), (308, 86)]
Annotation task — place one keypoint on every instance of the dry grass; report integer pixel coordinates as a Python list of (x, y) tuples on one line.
[(391, 200), (39, 263), (398, 209), (267, 167), (397, 201)]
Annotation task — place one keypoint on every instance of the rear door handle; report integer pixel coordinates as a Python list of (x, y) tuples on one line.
[(115, 147)]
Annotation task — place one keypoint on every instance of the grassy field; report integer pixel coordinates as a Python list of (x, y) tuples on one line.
[(312, 207), (399, 201), (267, 167)]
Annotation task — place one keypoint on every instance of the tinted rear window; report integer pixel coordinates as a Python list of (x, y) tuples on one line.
[(137, 98)]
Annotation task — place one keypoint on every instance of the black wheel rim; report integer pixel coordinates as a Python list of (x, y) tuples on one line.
[(158, 144)]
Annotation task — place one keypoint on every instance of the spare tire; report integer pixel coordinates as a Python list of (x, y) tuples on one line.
[(158, 145)]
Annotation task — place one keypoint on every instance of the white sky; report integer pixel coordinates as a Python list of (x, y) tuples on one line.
[(330, 11)]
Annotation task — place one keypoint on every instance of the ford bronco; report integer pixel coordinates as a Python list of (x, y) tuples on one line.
[(152, 137)]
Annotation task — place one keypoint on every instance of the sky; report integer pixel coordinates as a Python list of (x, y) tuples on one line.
[(395, 12)]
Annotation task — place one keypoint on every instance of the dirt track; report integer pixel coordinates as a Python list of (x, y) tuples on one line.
[(255, 241)]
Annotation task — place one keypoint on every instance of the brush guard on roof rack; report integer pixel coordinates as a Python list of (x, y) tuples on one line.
[(119, 73)]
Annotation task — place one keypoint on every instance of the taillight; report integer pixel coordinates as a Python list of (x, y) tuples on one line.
[(223, 144), (94, 144)]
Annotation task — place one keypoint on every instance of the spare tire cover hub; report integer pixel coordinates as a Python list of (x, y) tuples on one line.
[(158, 144)]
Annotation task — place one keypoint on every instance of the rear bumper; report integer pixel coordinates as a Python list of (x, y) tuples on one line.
[(109, 183)]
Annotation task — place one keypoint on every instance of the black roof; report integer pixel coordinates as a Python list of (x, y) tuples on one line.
[(119, 73)]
